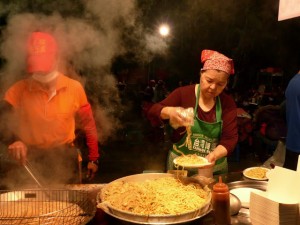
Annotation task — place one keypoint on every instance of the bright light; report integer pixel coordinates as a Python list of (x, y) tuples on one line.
[(164, 30)]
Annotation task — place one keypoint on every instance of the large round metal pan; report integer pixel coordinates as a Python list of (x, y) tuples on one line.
[(155, 219)]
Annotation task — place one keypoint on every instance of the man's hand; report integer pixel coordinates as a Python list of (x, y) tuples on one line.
[(92, 168), (18, 150)]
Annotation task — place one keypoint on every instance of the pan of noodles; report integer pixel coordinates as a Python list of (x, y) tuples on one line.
[(155, 198)]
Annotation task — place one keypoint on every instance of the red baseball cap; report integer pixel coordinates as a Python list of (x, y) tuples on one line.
[(42, 52)]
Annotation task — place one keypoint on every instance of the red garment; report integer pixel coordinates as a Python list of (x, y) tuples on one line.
[(263, 129), (185, 97), (245, 128), (86, 117)]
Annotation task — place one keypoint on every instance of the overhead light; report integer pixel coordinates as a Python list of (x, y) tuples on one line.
[(164, 30)]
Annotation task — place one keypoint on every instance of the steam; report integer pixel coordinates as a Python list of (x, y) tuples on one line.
[(91, 35), (89, 40)]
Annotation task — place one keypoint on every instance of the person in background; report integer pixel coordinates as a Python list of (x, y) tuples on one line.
[(214, 132), (43, 109), (292, 106), (259, 95), (148, 97), (160, 91), (269, 127), (149, 91)]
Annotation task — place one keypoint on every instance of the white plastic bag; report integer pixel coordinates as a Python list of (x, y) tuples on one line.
[(188, 114)]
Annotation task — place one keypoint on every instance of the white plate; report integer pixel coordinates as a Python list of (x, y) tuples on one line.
[(243, 193), (253, 177), (205, 163)]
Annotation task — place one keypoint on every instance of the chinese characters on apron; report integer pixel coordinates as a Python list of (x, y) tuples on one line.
[(204, 138)]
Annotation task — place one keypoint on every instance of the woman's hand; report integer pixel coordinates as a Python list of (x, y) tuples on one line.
[(178, 116), (219, 152), (211, 157), (18, 150)]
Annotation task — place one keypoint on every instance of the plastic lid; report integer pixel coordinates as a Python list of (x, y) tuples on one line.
[(220, 186)]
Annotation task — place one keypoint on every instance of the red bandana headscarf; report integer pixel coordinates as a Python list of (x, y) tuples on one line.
[(213, 60)]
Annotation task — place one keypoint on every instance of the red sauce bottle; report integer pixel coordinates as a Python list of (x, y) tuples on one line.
[(221, 203)]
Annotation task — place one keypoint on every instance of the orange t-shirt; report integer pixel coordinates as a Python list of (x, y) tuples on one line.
[(42, 121)]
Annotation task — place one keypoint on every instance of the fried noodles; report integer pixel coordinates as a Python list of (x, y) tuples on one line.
[(257, 173), (188, 140), (162, 196), (191, 159)]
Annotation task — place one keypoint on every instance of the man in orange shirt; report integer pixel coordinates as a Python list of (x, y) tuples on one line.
[(45, 105)]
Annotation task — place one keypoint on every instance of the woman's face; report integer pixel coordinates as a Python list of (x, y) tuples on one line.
[(212, 82)]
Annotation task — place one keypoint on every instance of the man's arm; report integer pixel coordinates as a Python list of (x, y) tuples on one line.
[(89, 127)]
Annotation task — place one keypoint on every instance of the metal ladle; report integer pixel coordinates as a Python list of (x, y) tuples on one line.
[(235, 204)]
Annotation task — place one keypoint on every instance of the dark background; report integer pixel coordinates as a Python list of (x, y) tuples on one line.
[(246, 30)]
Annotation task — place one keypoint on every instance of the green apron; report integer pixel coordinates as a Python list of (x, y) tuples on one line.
[(204, 138)]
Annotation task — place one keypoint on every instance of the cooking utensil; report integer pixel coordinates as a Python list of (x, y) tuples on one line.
[(235, 204), (30, 170), (243, 216), (260, 185), (242, 190), (153, 219)]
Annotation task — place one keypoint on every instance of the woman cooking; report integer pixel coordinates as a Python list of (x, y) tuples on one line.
[(213, 131)]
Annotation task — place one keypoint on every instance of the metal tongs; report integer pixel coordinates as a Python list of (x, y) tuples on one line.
[(30, 170)]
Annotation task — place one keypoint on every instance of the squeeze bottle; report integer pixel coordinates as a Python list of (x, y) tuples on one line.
[(221, 203)]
